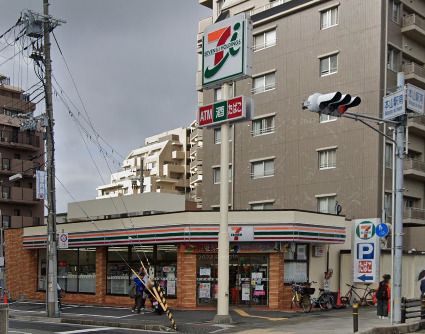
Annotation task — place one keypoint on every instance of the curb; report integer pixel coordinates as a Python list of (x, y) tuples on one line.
[(148, 327), (34, 318), (398, 329)]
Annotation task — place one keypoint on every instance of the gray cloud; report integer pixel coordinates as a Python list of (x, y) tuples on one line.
[(134, 63)]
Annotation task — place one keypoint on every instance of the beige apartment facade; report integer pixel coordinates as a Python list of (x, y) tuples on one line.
[(286, 157)]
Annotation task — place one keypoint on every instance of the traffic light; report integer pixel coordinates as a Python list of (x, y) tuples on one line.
[(333, 104)]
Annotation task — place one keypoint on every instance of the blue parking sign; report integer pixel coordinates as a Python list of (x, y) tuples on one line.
[(365, 251)]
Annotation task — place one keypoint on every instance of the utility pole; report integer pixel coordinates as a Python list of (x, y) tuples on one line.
[(52, 276), (400, 139)]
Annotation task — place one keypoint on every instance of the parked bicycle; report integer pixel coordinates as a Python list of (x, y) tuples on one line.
[(325, 300), (365, 299), (301, 296)]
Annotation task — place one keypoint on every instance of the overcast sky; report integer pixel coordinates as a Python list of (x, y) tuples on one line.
[(134, 63)]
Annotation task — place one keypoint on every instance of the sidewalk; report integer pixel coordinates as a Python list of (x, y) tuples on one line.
[(245, 320)]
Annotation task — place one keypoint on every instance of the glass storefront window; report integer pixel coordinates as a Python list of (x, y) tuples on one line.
[(166, 269), (117, 271), (248, 279), (296, 263), (76, 270)]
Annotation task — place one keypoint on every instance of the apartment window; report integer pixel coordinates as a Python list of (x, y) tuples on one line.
[(393, 59), (326, 118), (217, 136), (264, 83), (327, 158), (326, 204), (217, 94), (388, 204), (388, 155), (264, 40), (329, 18), (328, 65), (5, 191), (262, 206), (263, 126), (296, 263), (5, 221), (5, 164), (217, 174), (395, 12), (262, 168)]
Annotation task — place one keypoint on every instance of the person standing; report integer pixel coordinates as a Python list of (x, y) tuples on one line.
[(140, 287), (383, 295)]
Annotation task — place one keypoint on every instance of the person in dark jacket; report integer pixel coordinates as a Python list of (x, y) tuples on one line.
[(423, 287), (138, 299), (383, 295)]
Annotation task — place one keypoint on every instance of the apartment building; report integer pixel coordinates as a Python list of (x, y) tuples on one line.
[(161, 165), (286, 157), (21, 152)]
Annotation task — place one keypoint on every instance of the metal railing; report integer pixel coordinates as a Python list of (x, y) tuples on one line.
[(262, 89), (414, 213), (412, 308), (262, 131), (264, 45), (413, 19)]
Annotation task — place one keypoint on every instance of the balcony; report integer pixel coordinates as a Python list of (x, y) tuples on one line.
[(169, 170), (414, 169), (20, 140), (18, 195), (414, 74), (195, 178), (14, 166), (417, 125), (414, 216), (196, 135), (195, 164), (414, 27), (178, 155), (21, 221)]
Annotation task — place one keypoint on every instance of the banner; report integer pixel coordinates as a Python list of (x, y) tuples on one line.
[(41, 184)]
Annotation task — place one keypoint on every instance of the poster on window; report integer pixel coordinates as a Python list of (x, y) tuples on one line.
[(256, 276), (171, 287), (246, 292), (204, 271), (204, 290)]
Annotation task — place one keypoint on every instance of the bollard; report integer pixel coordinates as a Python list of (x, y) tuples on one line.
[(403, 310), (423, 307), (355, 316), (4, 318)]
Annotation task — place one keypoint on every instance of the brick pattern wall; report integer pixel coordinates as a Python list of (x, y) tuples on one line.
[(276, 280), (186, 279)]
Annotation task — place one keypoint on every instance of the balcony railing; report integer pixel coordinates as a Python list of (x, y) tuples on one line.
[(414, 164), (19, 138), (414, 19), (414, 214), (413, 68), (268, 6)]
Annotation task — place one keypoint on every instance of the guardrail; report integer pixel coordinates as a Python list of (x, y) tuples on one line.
[(412, 308)]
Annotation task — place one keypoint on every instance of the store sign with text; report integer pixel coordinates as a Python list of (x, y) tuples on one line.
[(224, 111), (241, 233), (366, 251)]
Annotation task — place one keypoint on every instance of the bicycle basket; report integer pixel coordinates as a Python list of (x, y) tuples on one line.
[(309, 291)]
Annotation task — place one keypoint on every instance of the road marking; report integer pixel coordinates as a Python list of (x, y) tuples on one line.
[(222, 328), (87, 330), (242, 313)]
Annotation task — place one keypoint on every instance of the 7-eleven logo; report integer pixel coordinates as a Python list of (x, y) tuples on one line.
[(222, 44), (236, 233)]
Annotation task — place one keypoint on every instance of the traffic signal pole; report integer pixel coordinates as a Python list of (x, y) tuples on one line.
[(400, 138)]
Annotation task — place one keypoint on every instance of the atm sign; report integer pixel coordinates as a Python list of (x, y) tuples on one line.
[(222, 111)]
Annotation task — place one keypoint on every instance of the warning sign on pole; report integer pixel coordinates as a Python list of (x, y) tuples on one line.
[(63, 240)]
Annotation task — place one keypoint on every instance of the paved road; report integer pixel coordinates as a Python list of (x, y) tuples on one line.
[(31, 327)]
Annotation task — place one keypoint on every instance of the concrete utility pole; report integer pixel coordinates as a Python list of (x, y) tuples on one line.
[(52, 275), (223, 315), (400, 130)]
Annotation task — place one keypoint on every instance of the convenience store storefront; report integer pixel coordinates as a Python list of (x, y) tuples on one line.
[(268, 250)]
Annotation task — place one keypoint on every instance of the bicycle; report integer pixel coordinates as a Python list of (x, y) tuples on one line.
[(326, 300), (365, 300), (301, 296)]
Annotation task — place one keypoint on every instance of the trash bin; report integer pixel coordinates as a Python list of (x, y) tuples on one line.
[(4, 318), (234, 295)]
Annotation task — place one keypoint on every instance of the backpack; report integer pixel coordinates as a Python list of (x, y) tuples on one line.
[(132, 290), (382, 293)]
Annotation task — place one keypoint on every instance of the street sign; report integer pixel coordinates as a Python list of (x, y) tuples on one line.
[(415, 99), (382, 230), (365, 250), (226, 51), (63, 240), (394, 105), (229, 110)]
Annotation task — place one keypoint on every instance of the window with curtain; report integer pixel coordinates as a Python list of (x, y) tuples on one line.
[(388, 155), (262, 206), (264, 40), (263, 126), (217, 175), (327, 159), (326, 204), (264, 83), (327, 118), (329, 18), (296, 261)]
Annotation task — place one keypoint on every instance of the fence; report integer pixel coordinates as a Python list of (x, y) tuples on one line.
[(412, 308)]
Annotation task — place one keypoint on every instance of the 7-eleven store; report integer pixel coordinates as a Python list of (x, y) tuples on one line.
[(268, 251)]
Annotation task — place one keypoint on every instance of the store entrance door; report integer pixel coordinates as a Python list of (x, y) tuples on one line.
[(248, 279)]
